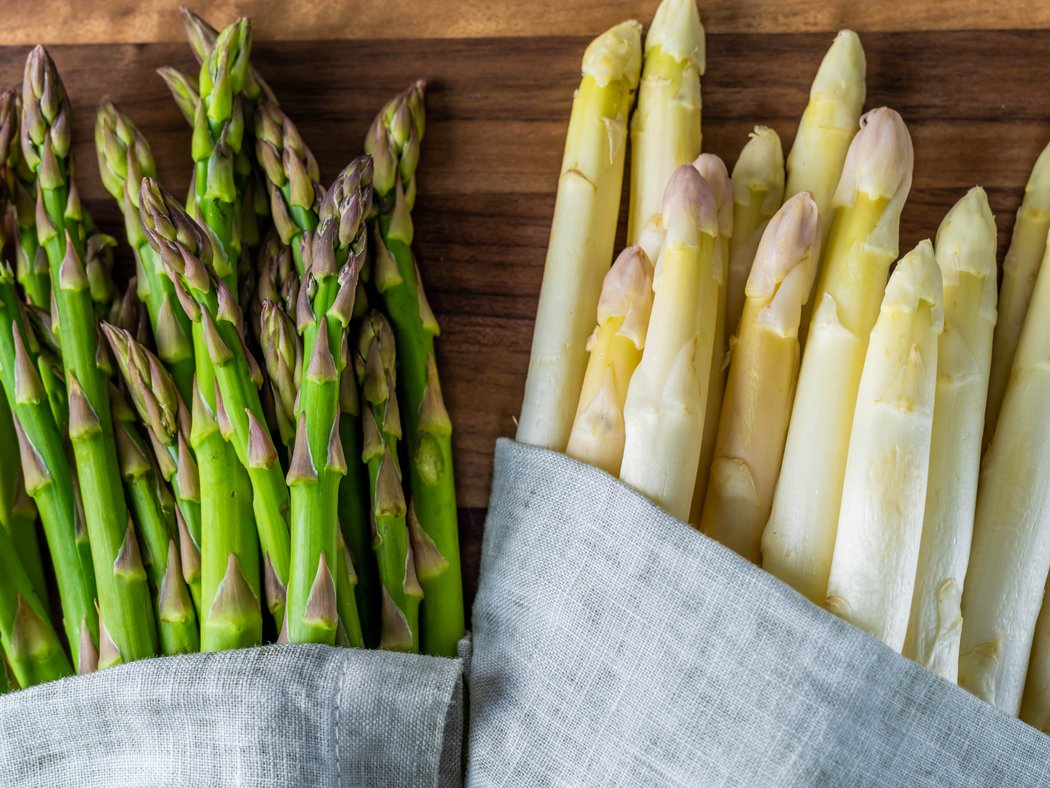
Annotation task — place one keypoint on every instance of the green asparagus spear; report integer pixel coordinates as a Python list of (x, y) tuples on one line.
[(349, 633), (31, 646), (48, 477), (354, 507), (33, 272), (375, 364), (124, 158), (126, 613), (192, 261), (394, 143), (291, 174), (176, 617), (283, 357), (332, 257)]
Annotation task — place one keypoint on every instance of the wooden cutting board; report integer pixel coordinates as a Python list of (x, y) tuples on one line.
[(971, 82)]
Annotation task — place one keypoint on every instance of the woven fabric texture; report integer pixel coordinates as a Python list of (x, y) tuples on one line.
[(615, 646), (273, 716)]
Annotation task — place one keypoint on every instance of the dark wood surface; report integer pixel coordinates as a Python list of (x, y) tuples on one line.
[(976, 103)]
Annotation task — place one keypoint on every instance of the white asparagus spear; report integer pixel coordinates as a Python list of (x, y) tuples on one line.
[(758, 191), (1010, 556), (884, 489), (828, 125), (1035, 703), (965, 250), (1020, 269), (714, 171), (762, 375), (666, 398), (582, 235), (665, 126), (616, 348), (798, 541)]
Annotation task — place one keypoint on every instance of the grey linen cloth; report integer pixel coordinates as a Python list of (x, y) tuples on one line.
[(613, 645), (272, 716)]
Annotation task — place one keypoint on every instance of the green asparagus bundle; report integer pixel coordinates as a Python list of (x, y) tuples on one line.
[(394, 143)]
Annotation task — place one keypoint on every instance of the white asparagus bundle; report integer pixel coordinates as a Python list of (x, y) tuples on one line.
[(800, 537), (582, 235), (1010, 556), (665, 126), (762, 376), (758, 191), (827, 126), (884, 490), (616, 348), (1020, 269), (667, 395), (1035, 703), (965, 250), (714, 171)]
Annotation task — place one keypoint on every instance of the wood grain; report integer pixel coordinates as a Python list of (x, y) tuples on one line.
[(975, 103), (131, 21)]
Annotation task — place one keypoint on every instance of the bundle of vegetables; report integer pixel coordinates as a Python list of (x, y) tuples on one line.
[(754, 367), (190, 497)]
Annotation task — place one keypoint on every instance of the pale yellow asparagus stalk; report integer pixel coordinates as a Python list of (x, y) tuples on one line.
[(1035, 703), (1010, 555), (666, 399), (965, 250), (758, 191), (582, 235), (798, 541), (762, 375), (714, 171), (828, 124), (1020, 269), (884, 489), (665, 126), (616, 348)]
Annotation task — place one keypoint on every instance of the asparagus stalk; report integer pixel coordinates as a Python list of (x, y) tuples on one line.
[(30, 644), (350, 633), (48, 477), (665, 126), (966, 256), (375, 365), (332, 257), (124, 159), (192, 261), (827, 127), (616, 348), (218, 134), (668, 391), (127, 627), (176, 618), (291, 177), (714, 172), (582, 235), (762, 376), (394, 143), (884, 490), (1020, 269), (167, 421), (354, 508), (798, 542), (758, 191), (33, 272), (1035, 703), (1010, 555)]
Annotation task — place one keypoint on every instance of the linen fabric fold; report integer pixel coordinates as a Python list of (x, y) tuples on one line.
[(615, 645), (271, 716)]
